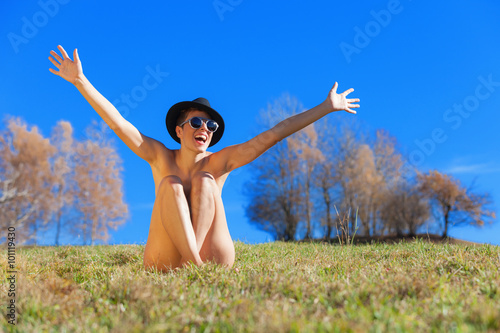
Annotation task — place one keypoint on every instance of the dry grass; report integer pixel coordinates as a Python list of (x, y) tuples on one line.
[(277, 287)]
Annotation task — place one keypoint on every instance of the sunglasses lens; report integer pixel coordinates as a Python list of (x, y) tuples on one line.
[(211, 126), (196, 122)]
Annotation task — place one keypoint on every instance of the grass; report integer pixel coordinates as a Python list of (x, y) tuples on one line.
[(273, 287)]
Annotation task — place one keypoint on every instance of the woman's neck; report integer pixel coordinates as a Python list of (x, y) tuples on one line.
[(186, 159)]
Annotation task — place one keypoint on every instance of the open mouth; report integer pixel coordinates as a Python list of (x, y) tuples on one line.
[(201, 139)]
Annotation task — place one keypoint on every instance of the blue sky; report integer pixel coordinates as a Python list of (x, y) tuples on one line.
[(428, 72)]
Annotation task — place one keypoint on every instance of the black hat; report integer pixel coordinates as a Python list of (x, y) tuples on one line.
[(201, 104)]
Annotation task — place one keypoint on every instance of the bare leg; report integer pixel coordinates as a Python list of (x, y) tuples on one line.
[(203, 193), (209, 221), (171, 234)]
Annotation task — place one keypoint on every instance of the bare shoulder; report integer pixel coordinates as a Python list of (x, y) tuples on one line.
[(216, 163), (163, 155)]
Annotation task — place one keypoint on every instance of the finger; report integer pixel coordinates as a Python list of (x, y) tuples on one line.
[(53, 71), (54, 62), (347, 92), (63, 52), (334, 89), (55, 55), (75, 56), (353, 100), (353, 105), (351, 111)]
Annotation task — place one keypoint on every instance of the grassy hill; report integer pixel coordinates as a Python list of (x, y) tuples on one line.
[(274, 287)]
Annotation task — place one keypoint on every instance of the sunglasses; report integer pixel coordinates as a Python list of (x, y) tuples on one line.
[(197, 122)]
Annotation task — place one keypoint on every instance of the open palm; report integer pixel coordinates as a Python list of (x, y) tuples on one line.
[(340, 102), (68, 69)]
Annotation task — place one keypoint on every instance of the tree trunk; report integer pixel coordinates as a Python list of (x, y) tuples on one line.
[(58, 230), (308, 211), (59, 214), (446, 221), (93, 233), (328, 221), (35, 231)]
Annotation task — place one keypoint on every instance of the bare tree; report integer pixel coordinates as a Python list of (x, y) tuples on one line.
[(275, 196), (454, 204), (26, 179), (346, 146), (324, 176), (405, 209), (63, 182), (369, 175), (305, 146), (364, 170), (336, 142), (390, 172), (100, 195), (364, 181)]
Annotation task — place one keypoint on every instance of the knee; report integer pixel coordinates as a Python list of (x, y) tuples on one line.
[(203, 181), (172, 185), (225, 258)]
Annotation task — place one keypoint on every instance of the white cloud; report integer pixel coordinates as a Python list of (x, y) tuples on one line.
[(473, 168)]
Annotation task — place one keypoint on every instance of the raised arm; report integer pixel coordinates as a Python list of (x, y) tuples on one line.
[(71, 70), (239, 155)]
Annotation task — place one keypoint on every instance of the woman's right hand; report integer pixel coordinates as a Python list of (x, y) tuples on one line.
[(70, 70)]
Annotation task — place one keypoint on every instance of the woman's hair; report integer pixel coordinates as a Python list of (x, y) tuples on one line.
[(183, 115)]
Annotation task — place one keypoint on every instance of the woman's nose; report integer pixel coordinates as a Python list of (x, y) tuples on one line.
[(204, 125)]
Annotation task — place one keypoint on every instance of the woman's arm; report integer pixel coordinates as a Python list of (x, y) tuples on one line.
[(238, 155), (71, 70)]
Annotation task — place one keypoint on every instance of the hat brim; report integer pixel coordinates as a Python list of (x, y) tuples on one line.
[(174, 112)]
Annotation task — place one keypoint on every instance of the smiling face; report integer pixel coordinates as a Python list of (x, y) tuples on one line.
[(194, 139)]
